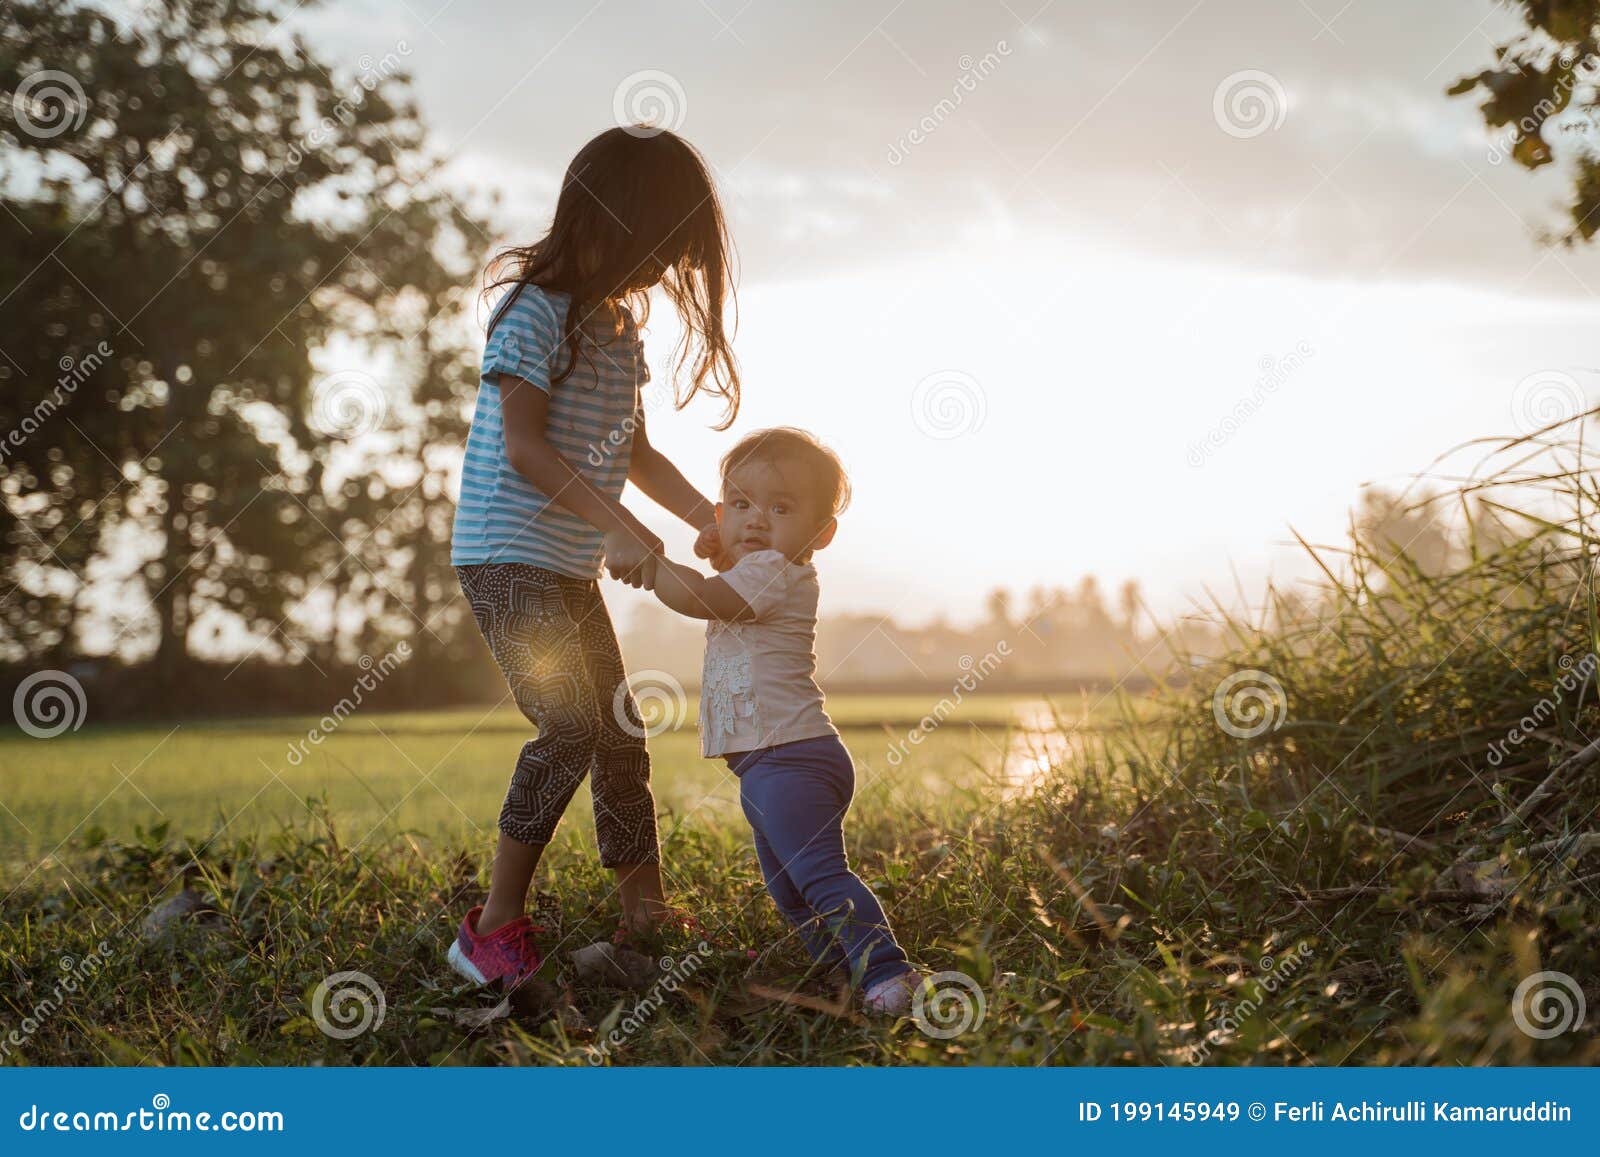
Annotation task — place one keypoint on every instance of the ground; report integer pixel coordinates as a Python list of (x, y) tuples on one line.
[(1068, 921)]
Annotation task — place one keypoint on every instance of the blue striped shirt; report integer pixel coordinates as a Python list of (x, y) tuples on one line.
[(501, 516)]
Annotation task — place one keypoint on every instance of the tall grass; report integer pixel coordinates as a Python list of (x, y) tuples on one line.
[(1350, 838)]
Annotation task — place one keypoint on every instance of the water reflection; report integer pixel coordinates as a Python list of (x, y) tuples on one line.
[(1042, 737)]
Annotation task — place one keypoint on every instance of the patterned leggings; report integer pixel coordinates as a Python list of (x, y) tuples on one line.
[(553, 640)]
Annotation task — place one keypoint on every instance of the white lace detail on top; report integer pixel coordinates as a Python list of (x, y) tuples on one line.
[(728, 686)]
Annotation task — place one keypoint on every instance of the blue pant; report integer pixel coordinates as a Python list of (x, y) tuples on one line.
[(795, 796)]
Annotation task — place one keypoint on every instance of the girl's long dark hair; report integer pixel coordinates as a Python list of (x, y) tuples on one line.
[(638, 207)]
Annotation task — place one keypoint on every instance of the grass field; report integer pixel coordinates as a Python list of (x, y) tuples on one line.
[(1364, 834), (441, 775), (397, 810), (1087, 915)]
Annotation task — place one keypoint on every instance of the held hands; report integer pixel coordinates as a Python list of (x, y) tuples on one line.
[(631, 557)]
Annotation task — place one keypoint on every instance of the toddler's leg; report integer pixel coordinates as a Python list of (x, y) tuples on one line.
[(802, 791), (814, 934)]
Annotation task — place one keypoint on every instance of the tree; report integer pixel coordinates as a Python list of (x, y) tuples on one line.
[(216, 205), (1397, 530), (998, 607), (1542, 95)]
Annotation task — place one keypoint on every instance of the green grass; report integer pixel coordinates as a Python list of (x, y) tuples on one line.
[(1356, 881), (381, 834), (439, 775)]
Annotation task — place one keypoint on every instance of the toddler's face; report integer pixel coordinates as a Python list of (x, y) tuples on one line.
[(764, 507)]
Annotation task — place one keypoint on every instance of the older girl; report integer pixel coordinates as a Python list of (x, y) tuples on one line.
[(557, 430)]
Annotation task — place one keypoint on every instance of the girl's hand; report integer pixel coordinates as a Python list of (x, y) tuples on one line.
[(709, 546), (630, 556)]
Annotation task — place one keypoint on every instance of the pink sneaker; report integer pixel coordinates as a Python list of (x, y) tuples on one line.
[(508, 954)]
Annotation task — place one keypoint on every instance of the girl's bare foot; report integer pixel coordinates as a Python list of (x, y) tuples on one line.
[(643, 900)]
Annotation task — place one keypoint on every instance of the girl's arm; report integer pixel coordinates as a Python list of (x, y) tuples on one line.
[(660, 480), (687, 591), (524, 409)]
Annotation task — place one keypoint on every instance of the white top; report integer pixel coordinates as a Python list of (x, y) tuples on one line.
[(760, 682)]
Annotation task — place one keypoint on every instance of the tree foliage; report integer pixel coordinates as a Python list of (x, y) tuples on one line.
[(1542, 97), (238, 356)]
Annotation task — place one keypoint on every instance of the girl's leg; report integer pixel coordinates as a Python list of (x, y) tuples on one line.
[(643, 900), (527, 616), (802, 791), (509, 881), (624, 809)]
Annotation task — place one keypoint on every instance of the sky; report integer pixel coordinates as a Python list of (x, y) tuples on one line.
[(1126, 289)]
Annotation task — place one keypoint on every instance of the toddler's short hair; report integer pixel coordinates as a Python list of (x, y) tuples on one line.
[(820, 467)]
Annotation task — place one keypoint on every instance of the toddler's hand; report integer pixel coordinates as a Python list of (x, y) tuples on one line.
[(708, 545), (631, 559)]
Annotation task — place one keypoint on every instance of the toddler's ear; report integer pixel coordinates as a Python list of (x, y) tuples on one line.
[(825, 535)]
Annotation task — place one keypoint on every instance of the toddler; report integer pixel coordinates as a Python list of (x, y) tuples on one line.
[(762, 711)]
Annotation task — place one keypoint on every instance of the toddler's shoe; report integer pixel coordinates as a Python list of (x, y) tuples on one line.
[(892, 997), (508, 954)]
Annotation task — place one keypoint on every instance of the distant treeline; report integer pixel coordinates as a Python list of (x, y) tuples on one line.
[(1051, 638)]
